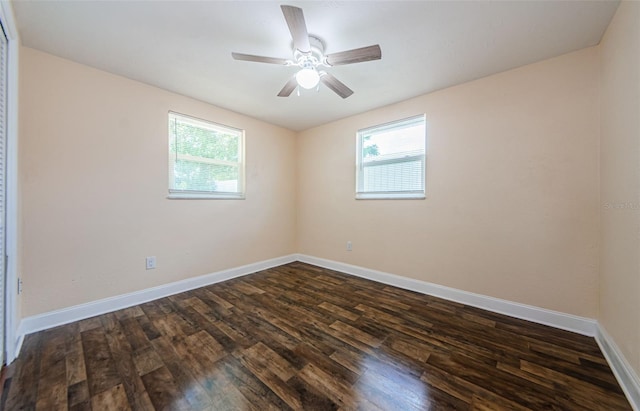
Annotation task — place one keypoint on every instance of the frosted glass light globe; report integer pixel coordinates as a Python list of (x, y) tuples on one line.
[(308, 78)]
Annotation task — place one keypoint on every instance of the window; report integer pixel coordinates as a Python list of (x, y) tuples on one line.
[(390, 160), (206, 160)]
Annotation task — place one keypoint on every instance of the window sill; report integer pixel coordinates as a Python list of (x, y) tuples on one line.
[(390, 196), (192, 196)]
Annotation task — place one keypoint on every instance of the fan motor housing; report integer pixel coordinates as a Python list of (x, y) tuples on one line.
[(315, 56)]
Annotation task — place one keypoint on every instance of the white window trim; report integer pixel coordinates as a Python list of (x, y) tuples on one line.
[(389, 195), (175, 194)]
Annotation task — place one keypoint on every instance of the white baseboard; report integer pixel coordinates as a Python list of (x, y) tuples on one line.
[(580, 325), (555, 319), (55, 318), (17, 346), (626, 376), (624, 373)]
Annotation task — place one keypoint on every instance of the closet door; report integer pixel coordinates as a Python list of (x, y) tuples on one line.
[(3, 185)]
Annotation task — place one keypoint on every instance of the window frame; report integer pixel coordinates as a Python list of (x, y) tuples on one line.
[(360, 194), (175, 193)]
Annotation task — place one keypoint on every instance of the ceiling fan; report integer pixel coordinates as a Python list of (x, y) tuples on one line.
[(308, 55)]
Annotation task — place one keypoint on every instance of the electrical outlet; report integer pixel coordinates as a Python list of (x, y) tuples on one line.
[(349, 246), (151, 262), (19, 285)]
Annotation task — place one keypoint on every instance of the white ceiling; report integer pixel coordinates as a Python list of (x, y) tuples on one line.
[(185, 46)]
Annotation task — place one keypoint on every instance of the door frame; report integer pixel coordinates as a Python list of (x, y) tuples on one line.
[(13, 339)]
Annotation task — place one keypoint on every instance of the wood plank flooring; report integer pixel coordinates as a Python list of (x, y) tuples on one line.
[(301, 337)]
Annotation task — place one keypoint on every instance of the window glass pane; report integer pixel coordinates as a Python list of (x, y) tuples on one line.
[(391, 159), (392, 143), (204, 157), (206, 143)]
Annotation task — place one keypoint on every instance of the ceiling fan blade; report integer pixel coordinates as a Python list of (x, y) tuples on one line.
[(259, 59), (354, 56), (288, 88), (336, 85), (297, 27)]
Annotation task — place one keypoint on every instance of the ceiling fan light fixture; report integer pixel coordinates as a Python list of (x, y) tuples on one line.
[(308, 78), (309, 57)]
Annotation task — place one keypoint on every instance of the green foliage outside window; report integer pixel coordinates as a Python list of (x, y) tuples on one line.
[(369, 150), (194, 148)]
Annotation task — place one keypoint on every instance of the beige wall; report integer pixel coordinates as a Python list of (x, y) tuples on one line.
[(512, 189), (620, 181), (93, 175)]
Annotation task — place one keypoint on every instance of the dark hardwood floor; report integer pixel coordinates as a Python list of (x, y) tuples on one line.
[(302, 337)]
